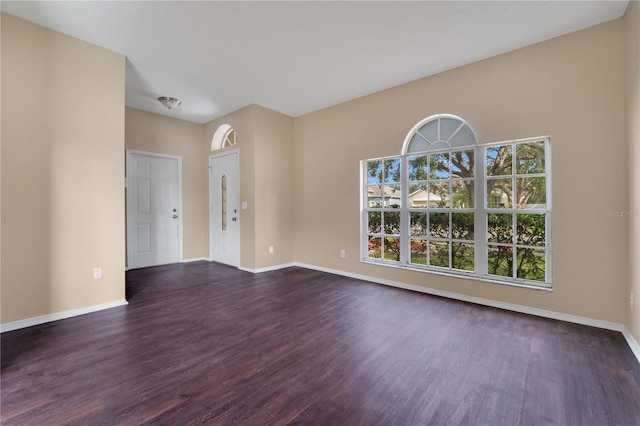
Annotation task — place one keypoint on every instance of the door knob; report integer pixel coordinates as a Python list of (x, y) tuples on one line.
[(175, 216)]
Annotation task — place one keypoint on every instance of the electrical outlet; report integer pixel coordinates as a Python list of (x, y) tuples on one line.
[(97, 272), (342, 253), (270, 249)]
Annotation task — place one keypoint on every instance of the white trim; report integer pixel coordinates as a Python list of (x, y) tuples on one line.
[(154, 154), (271, 268), (633, 344), (607, 325), (194, 259), (29, 322)]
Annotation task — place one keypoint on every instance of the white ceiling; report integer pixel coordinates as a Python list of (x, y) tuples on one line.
[(298, 57)]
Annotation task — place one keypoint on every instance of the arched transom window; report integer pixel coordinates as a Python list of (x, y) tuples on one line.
[(443, 131), (224, 136), (450, 206)]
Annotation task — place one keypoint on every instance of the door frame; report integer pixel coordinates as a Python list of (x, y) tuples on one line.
[(237, 166), (128, 183)]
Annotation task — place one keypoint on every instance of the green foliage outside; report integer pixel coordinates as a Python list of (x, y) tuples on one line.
[(530, 231)]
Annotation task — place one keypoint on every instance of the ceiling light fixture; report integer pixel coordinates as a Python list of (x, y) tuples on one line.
[(170, 103)]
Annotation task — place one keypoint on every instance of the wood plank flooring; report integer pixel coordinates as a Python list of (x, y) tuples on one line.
[(203, 343)]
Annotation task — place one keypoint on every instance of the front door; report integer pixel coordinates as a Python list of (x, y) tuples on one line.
[(153, 209), (224, 236)]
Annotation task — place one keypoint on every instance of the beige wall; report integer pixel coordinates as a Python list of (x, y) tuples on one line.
[(62, 167), (145, 131), (265, 145), (571, 88), (632, 78), (273, 188)]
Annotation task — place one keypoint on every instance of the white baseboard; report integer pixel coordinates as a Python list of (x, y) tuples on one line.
[(195, 259), (635, 348), (492, 303), (28, 322), (268, 268)]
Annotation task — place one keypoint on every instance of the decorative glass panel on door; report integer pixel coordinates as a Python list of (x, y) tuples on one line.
[(223, 203)]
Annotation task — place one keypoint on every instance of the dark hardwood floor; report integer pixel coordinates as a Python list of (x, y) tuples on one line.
[(203, 343)]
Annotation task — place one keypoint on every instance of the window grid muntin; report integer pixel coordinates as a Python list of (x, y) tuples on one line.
[(449, 239), (229, 138)]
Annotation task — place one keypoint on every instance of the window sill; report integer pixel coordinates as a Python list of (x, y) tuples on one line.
[(463, 275)]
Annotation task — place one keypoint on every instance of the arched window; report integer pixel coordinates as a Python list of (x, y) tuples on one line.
[(442, 131), (224, 136), (450, 206)]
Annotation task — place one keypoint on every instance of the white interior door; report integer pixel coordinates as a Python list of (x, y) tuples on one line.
[(153, 209), (224, 235)]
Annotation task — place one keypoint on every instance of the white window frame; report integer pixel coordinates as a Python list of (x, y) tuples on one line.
[(480, 210), (365, 208), (547, 284), (446, 210)]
